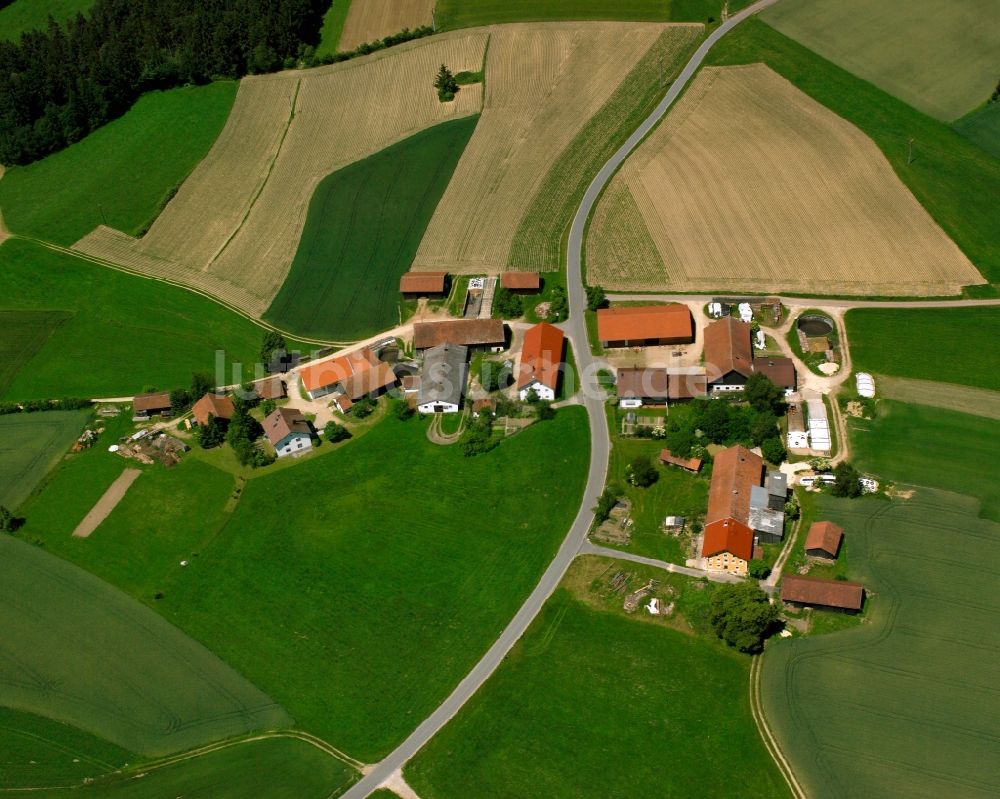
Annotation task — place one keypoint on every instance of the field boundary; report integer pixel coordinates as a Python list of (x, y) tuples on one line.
[(770, 742), (107, 503)]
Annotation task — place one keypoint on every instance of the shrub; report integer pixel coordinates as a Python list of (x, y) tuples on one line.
[(773, 450), (507, 304), (742, 615), (758, 569), (364, 407), (401, 410), (336, 432), (606, 501), (641, 472), (545, 410), (478, 437)]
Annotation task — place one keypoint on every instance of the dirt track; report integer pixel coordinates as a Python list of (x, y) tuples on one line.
[(107, 503)]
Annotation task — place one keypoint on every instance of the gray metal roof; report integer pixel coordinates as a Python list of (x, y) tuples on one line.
[(765, 520), (444, 374), (758, 497), (777, 484)]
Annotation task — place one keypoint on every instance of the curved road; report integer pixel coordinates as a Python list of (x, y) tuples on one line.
[(600, 446)]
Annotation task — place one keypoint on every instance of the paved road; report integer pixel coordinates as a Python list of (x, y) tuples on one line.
[(592, 549), (821, 302), (600, 446)]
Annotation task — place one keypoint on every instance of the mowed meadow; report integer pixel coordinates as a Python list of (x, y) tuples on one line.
[(750, 184), (25, 15)]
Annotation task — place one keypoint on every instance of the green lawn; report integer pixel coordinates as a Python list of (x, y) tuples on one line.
[(79, 651), (921, 445), (30, 445), (941, 55), (22, 335), (469, 13), (538, 243), (364, 225), (904, 704), (591, 702), (278, 768), (333, 26), (121, 174), (953, 179), (125, 332), (983, 128), (26, 15), (948, 345), (37, 751)]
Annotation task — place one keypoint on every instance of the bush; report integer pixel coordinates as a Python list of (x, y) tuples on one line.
[(641, 472), (773, 451), (507, 304), (758, 569), (336, 432), (606, 501), (596, 298), (363, 408), (478, 437), (267, 407), (558, 305), (846, 481), (742, 615), (401, 410), (545, 410), (6, 520)]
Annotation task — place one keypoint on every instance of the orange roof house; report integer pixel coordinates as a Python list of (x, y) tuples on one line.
[(212, 405), (526, 282), (644, 325), (541, 357), (321, 378), (728, 541), (423, 284), (824, 539)]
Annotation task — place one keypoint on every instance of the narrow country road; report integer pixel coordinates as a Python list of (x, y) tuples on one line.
[(589, 548), (821, 302), (600, 441)]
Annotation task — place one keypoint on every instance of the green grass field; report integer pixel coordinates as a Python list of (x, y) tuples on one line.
[(904, 704), (469, 13), (26, 15), (983, 128), (538, 243), (121, 174), (591, 702), (947, 345), (931, 446), (333, 26), (951, 177), (278, 768), (22, 335), (79, 651), (30, 445), (364, 226), (125, 333), (940, 58)]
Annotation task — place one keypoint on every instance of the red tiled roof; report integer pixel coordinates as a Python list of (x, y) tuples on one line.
[(336, 370), (155, 401), (212, 405), (691, 464), (815, 591), (541, 356), (825, 536), (642, 322), (423, 282), (520, 281), (728, 535), (727, 347), (780, 371), (467, 332), (736, 470), (659, 384), (369, 381)]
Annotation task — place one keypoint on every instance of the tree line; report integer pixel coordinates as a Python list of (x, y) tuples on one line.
[(59, 84)]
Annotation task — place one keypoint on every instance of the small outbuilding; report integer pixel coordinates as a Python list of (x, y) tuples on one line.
[(423, 284), (271, 389), (521, 282), (815, 592), (690, 464), (824, 540), (146, 405)]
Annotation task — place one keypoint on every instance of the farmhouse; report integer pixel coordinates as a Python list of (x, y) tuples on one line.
[(824, 540), (146, 405), (541, 357), (212, 405), (443, 380), (728, 542), (521, 282), (813, 591), (423, 284), (729, 358), (637, 387), (271, 389), (348, 375), (475, 334), (288, 431), (780, 371), (644, 325), (691, 464)]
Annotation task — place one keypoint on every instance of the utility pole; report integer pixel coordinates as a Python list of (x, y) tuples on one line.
[(434, 25), (104, 219), (909, 152)]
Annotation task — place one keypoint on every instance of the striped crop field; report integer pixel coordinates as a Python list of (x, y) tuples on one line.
[(368, 20), (750, 185)]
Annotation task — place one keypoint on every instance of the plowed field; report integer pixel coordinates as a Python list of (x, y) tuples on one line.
[(372, 19)]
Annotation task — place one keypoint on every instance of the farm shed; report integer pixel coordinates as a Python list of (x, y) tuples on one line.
[(475, 334), (824, 540), (813, 591), (221, 407), (691, 464), (769, 525), (779, 370), (324, 377), (271, 389), (728, 354), (644, 325), (423, 284), (637, 387), (146, 405), (521, 282), (541, 357), (777, 490), (442, 383), (288, 431)]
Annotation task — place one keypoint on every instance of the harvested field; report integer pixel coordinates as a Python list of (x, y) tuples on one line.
[(107, 503), (977, 401), (572, 69), (233, 227), (368, 20), (750, 185)]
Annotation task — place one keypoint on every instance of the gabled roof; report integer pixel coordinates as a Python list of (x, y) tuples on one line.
[(154, 401), (212, 405), (541, 356), (641, 322), (369, 381), (270, 389), (659, 384), (727, 535), (336, 370), (815, 591), (444, 375), (467, 332), (423, 282), (520, 281), (283, 422), (728, 348), (779, 370), (825, 536), (691, 464), (735, 472)]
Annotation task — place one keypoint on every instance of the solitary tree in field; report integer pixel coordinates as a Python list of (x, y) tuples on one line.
[(446, 85)]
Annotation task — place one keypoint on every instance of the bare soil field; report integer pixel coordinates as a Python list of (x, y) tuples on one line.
[(103, 507), (233, 227), (368, 20), (966, 399), (544, 82), (751, 185)]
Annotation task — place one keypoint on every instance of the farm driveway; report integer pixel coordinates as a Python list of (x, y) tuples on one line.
[(107, 503)]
